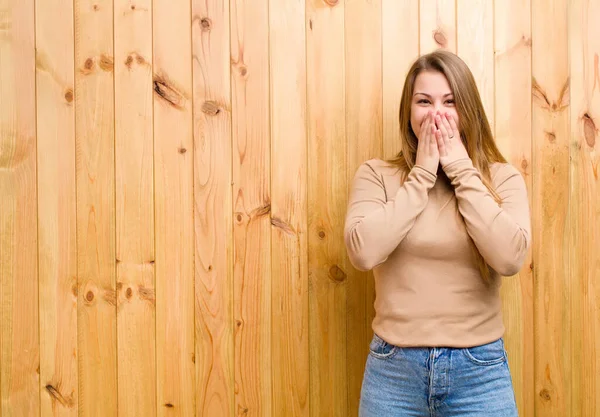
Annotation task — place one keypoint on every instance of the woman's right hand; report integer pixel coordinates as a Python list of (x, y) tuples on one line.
[(428, 155)]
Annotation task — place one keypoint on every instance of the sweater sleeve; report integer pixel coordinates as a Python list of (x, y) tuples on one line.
[(374, 227), (502, 233)]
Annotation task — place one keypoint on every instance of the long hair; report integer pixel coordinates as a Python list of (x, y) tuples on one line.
[(475, 131)]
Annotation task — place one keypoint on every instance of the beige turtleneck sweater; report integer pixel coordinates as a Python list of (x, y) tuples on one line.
[(415, 235)]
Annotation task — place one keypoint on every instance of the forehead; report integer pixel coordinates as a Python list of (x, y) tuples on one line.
[(431, 82)]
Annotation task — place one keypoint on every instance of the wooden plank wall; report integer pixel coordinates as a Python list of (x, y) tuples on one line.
[(173, 185)]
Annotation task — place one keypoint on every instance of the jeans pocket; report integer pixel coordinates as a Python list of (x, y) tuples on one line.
[(381, 349), (489, 354)]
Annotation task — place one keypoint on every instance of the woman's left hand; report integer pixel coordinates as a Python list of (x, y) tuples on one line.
[(450, 145)]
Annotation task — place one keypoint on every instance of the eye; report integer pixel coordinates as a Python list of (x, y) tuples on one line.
[(423, 101), (450, 101)]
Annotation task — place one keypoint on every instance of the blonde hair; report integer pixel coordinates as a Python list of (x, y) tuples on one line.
[(475, 131)]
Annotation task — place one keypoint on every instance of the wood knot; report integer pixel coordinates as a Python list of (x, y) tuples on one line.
[(589, 130), (332, 3), (322, 234), (133, 7), (69, 95), (282, 225), (106, 63), (96, 7), (89, 296), (336, 274), (238, 323), (168, 93), (243, 70), (524, 164), (205, 24), (182, 150), (129, 293), (140, 59), (210, 268), (89, 64), (440, 38), (551, 136), (74, 289), (239, 217), (545, 395), (129, 61), (119, 286), (210, 108), (58, 396), (169, 405)]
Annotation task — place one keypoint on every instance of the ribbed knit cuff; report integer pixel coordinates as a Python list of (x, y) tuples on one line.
[(424, 174)]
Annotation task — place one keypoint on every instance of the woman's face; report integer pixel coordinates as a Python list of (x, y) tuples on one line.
[(431, 94)]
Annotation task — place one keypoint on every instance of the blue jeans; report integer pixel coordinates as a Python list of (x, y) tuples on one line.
[(437, 382)]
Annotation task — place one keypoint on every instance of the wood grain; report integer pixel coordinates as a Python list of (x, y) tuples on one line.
[(289, 262), (437, 25), (19, 313), (213, 210), (584, 48), (57, 213), (134, 208), (327, 185), (550, 132), (400, 48), (512, 37), (174, 208), (94, 124), (252, 206), (364, 121), (475, 45)]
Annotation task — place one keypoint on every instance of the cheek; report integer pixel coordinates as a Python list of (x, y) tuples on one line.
[(416, 118), (454, 115)]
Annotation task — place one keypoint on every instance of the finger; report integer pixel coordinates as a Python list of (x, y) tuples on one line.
[(441, 144), (446, 123), (425, 120), (433, 144), (446, 133), (431, 137), (425, 125), (453, 125)]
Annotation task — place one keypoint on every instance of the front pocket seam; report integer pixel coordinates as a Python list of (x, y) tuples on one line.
[(389, 355), (483, 363)]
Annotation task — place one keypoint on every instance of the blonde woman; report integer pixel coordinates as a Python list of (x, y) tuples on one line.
[(439, 225)]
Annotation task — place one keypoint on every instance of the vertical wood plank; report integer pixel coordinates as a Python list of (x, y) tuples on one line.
[(134, 208), (327, 196), (174, 211), (550, 129), (213, 208), (437, 25), (400, 47), (585, 207), (19, 314), (512, 35), (57, 208), (364, 123), (288, 207), (94, 124), (475, 45), (252, 206)]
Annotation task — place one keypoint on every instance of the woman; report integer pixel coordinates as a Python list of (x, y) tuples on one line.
[(439, 225)]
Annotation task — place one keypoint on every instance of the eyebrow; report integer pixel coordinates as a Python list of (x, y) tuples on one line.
[(427, 95)]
